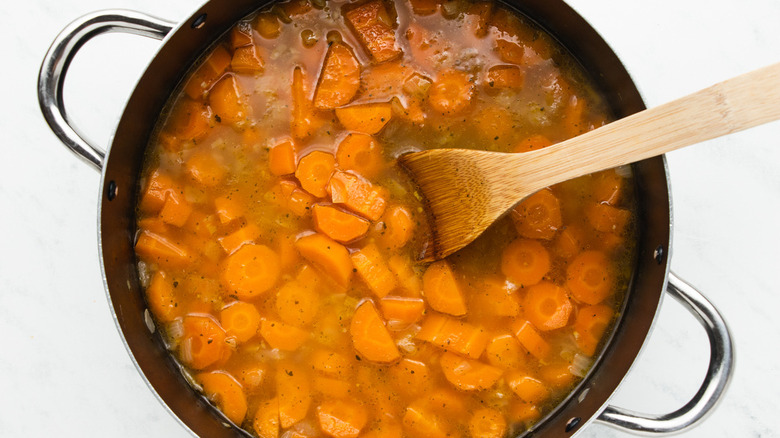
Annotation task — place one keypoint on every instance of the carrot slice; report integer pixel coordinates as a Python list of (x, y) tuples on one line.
[(494, 298), (228, 208), (243, 236), (468, 374), (362, 154), (384, 428), (251, 376), (487, 423), (205, 168), (442, 291), (161, 298), (268, 26), (357, 194), (398, 227), (420, 423), (504, 351), (328, 256), (454, 335), (293, 391), (227, 101), (530, 338), (189, 120), (570, 241), (250, 271), (314, 171), (331, 364), (557, 374), (503, 77), (155, 248), (451, 92), (527, 388), (338, 225), (538, 216), (607, 187), (523, 412), (408, 279), (282, 336), (157, 187), (372, 25), (248, 59), (368, 118), (300, 202), (589, 277), (608, 219), (281, 158), (340, 77), (547, 306), (297, 304), (266, 421), (370, 336), (241, 35), (208, 72), (410, 377), (525, 262), (533, 143), (341, 418), (203, 342), (328, 387), (371, 266), (591, 324), (305, 119), (176, 210), (386, 80), (240, 320), (477, 16), (222, 389), (401, 312)]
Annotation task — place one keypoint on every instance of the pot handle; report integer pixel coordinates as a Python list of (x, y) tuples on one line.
[(715, 382), (57, 61)]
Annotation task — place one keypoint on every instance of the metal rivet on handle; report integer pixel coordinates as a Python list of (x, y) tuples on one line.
[(573, 423), (111, 191), (658, 254), (199, 21)]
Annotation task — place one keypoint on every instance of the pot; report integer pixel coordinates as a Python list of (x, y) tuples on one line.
[(121, 165)]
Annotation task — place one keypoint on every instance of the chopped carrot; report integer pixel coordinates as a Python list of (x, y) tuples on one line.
[(243, 236), (371, 266), (451, 92), (527, 388), (401, 312), (281, 158), (547, 306), (250, 271), (371, 22), (557, 374), (327, 255), (241, 35), (340, 77), (248, 59), (282, 336), (205, 168), (384, 428), (368, 118), (329, 387), (510, 51), (442, 291), (376, 392), (305, 119), (222, 389), (176, 210), (411, 111), (266, 421), (362, 154), (410, 377), (357, 194), (607, 187), (300, 202), (523, 412), (338, 225), (227, 101), (341, 418), (201, 224), (420, 423), (251, 376), (293, 8), (425, 7), (468, 374), (155, 248), (504, 351), (493, 298), (155, 225), (188, 121), (589, 277), (308, 277), (398, 227), (608, 219), (386, 80), (408, 280), (293, 391), (228, 208), (590, 326), (525, 262), (157, 186), (533, 143), (538, 216), (331, 364), (297, 304), (454, 335), (161, 298), (570, 241), (240, 320), (370, 336), (203, 343), (495, 123), (208, 72), (445, 402), (314, 171), (530, 338), (477, 16), (502, 77), (268, 25), (487, 423), (288, 255)]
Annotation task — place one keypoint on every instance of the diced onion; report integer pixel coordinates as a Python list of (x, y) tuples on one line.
[(580, 365)]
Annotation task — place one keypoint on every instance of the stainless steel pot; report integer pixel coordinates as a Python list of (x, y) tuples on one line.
[(121, 164)]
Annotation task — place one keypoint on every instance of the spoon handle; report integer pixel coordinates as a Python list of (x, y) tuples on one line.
[(730, 106)]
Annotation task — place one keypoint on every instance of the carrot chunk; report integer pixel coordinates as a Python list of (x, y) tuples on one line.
[(401, 312), (370, 336), (250, 271), (368, 118), (327, 255), (523, 412), (538, 216), (424, 7), (282, 336), (357, 195), (297, 304), (266, 420), (155, 248), (281, 158), (331, 364), (205, 168), (157, 187), (420, 423), (300, 202), (589, 277), (161, 298), (487, 423), (338, 225), (241, 35), (530, 338), (410, 377), (372, 25), (454, 335), (251, 376), (504, 351), (451, 92), (494, 298), (547, 306), (228, 209), (362, 154), (340, 77), (468, 374), (203, 343), (408, 280), (332, 387), (243, 236), (477, 16), (222, 389), (608, 219), (525, 262), (398, 227), (569, 242), (607, 187), (590, 326), (189, 120), (268, 26), (314, 171), (240, 320), (527, 388), (208, 72), (294, 393), (248, 59), (557, 374), (176, 210), (442, 291), (371, 266), (227, 101), (305, 119), (502, 77), (341, 418), (533, 143)]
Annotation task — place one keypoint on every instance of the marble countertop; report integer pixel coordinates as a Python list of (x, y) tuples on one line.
[(65, 372)]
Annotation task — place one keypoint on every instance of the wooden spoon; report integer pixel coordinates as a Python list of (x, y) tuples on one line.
[(467, 190)]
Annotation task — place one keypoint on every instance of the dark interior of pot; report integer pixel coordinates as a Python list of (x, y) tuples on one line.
[(125, 157)]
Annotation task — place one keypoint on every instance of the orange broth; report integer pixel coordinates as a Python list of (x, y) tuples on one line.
[(277, 238)]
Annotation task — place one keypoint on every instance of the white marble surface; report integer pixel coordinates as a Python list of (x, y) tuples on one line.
[(64, 371)]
